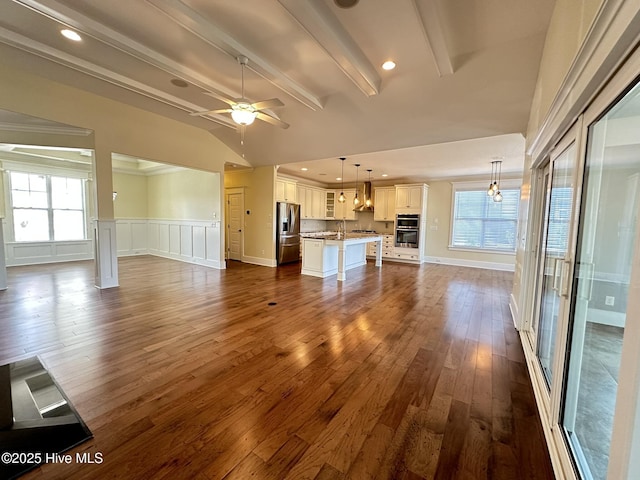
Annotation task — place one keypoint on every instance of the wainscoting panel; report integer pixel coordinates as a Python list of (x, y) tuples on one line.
[(188, 241), (31, 253)]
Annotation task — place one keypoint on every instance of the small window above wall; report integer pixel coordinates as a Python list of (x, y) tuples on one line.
[(480, 223)]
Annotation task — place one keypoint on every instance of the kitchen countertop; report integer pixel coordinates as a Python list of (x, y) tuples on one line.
[(336, 236)]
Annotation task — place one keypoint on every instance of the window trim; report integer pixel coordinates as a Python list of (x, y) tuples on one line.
[(505, 184)]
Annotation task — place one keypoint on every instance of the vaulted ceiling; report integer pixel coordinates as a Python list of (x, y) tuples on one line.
[(459, 95)]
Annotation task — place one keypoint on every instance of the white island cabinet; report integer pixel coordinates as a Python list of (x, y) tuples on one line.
[(327, 255)]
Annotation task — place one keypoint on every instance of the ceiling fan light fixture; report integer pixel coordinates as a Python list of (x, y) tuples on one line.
[(243, 114)]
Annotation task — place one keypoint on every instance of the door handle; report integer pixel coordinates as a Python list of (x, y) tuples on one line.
[(564, 285), (585, 274), (556, 277)]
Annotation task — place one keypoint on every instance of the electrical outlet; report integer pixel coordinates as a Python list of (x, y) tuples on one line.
[(610, 301)]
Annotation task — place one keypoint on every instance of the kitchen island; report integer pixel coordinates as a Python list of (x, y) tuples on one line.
[(326, 255)]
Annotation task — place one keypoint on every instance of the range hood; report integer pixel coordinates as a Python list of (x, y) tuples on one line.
[(367, 195)]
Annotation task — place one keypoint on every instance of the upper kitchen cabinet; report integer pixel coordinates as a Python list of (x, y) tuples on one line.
[(345, 210), (411, 198), (286, 190), (330, 204), (312, 202), (384, 204)]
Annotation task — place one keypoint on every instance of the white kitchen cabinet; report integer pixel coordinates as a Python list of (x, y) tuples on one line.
[(312, 202), (387, 247), (286, 190), (317, 203), (345, 210), (330, 204), (409, 198), (384, 204)]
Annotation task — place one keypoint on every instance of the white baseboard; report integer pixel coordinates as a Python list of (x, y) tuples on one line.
[(513, 308), (606, 317), (505, 267), (265, 262), (182, 258)]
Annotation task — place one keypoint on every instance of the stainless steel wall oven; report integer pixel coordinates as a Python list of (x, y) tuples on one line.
[(407, 230)]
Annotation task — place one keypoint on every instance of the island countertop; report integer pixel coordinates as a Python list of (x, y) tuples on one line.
[(330, 253)]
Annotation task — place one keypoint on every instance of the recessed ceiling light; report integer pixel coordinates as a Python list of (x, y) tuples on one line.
[(389, 65), (71, 35), (338, 178), (384, 175), (304, 169), (178, 82), (346, 3)]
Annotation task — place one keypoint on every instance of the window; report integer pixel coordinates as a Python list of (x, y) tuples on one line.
[(47, 207), (480, 223)]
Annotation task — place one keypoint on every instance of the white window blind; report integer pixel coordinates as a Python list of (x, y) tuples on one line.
[(480, 223)]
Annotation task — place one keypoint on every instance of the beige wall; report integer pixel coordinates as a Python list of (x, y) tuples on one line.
[(184, 195), (131, 201), (569, 25), (259, 199), (117, 127), (439, 205)]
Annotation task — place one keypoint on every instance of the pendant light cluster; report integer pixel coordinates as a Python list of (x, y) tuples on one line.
[(494, 184)]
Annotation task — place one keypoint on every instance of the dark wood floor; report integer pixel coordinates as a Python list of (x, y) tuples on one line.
[(185, 372)]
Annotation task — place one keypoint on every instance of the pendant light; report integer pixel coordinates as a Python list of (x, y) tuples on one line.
[(490, 190), (356, 200), (498, 196), (342, 198), (367, 201)]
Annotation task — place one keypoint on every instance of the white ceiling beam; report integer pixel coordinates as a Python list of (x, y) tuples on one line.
[(322, 25), (209, 32), (429, 20), (72, 18), (62, 58)]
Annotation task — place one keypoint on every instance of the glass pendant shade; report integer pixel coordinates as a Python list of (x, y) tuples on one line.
[(342, 198), (497, 197), (243, 114)]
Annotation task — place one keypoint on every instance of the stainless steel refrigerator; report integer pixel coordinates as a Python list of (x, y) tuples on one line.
[(288, 233)]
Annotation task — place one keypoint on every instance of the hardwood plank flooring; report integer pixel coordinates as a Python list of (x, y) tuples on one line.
[(185, 372)]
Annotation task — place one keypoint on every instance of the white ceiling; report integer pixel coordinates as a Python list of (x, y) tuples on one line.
[(460, 94)]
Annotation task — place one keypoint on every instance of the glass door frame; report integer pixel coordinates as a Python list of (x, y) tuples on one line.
[(624, 455), (550, 395)]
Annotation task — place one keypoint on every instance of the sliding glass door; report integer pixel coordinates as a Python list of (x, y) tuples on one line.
[(606, 237), (558, 211)]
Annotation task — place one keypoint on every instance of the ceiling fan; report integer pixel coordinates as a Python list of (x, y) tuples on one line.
[(244, 113)]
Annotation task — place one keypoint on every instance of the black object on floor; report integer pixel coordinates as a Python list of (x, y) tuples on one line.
[(36, 418)]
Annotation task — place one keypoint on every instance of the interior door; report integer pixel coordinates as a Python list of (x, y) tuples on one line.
[(553, 266), (235, 209)]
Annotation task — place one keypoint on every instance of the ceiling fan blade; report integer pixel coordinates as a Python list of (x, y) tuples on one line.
[(207, 112), (226, 100), (271, 103), (273, 121)]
